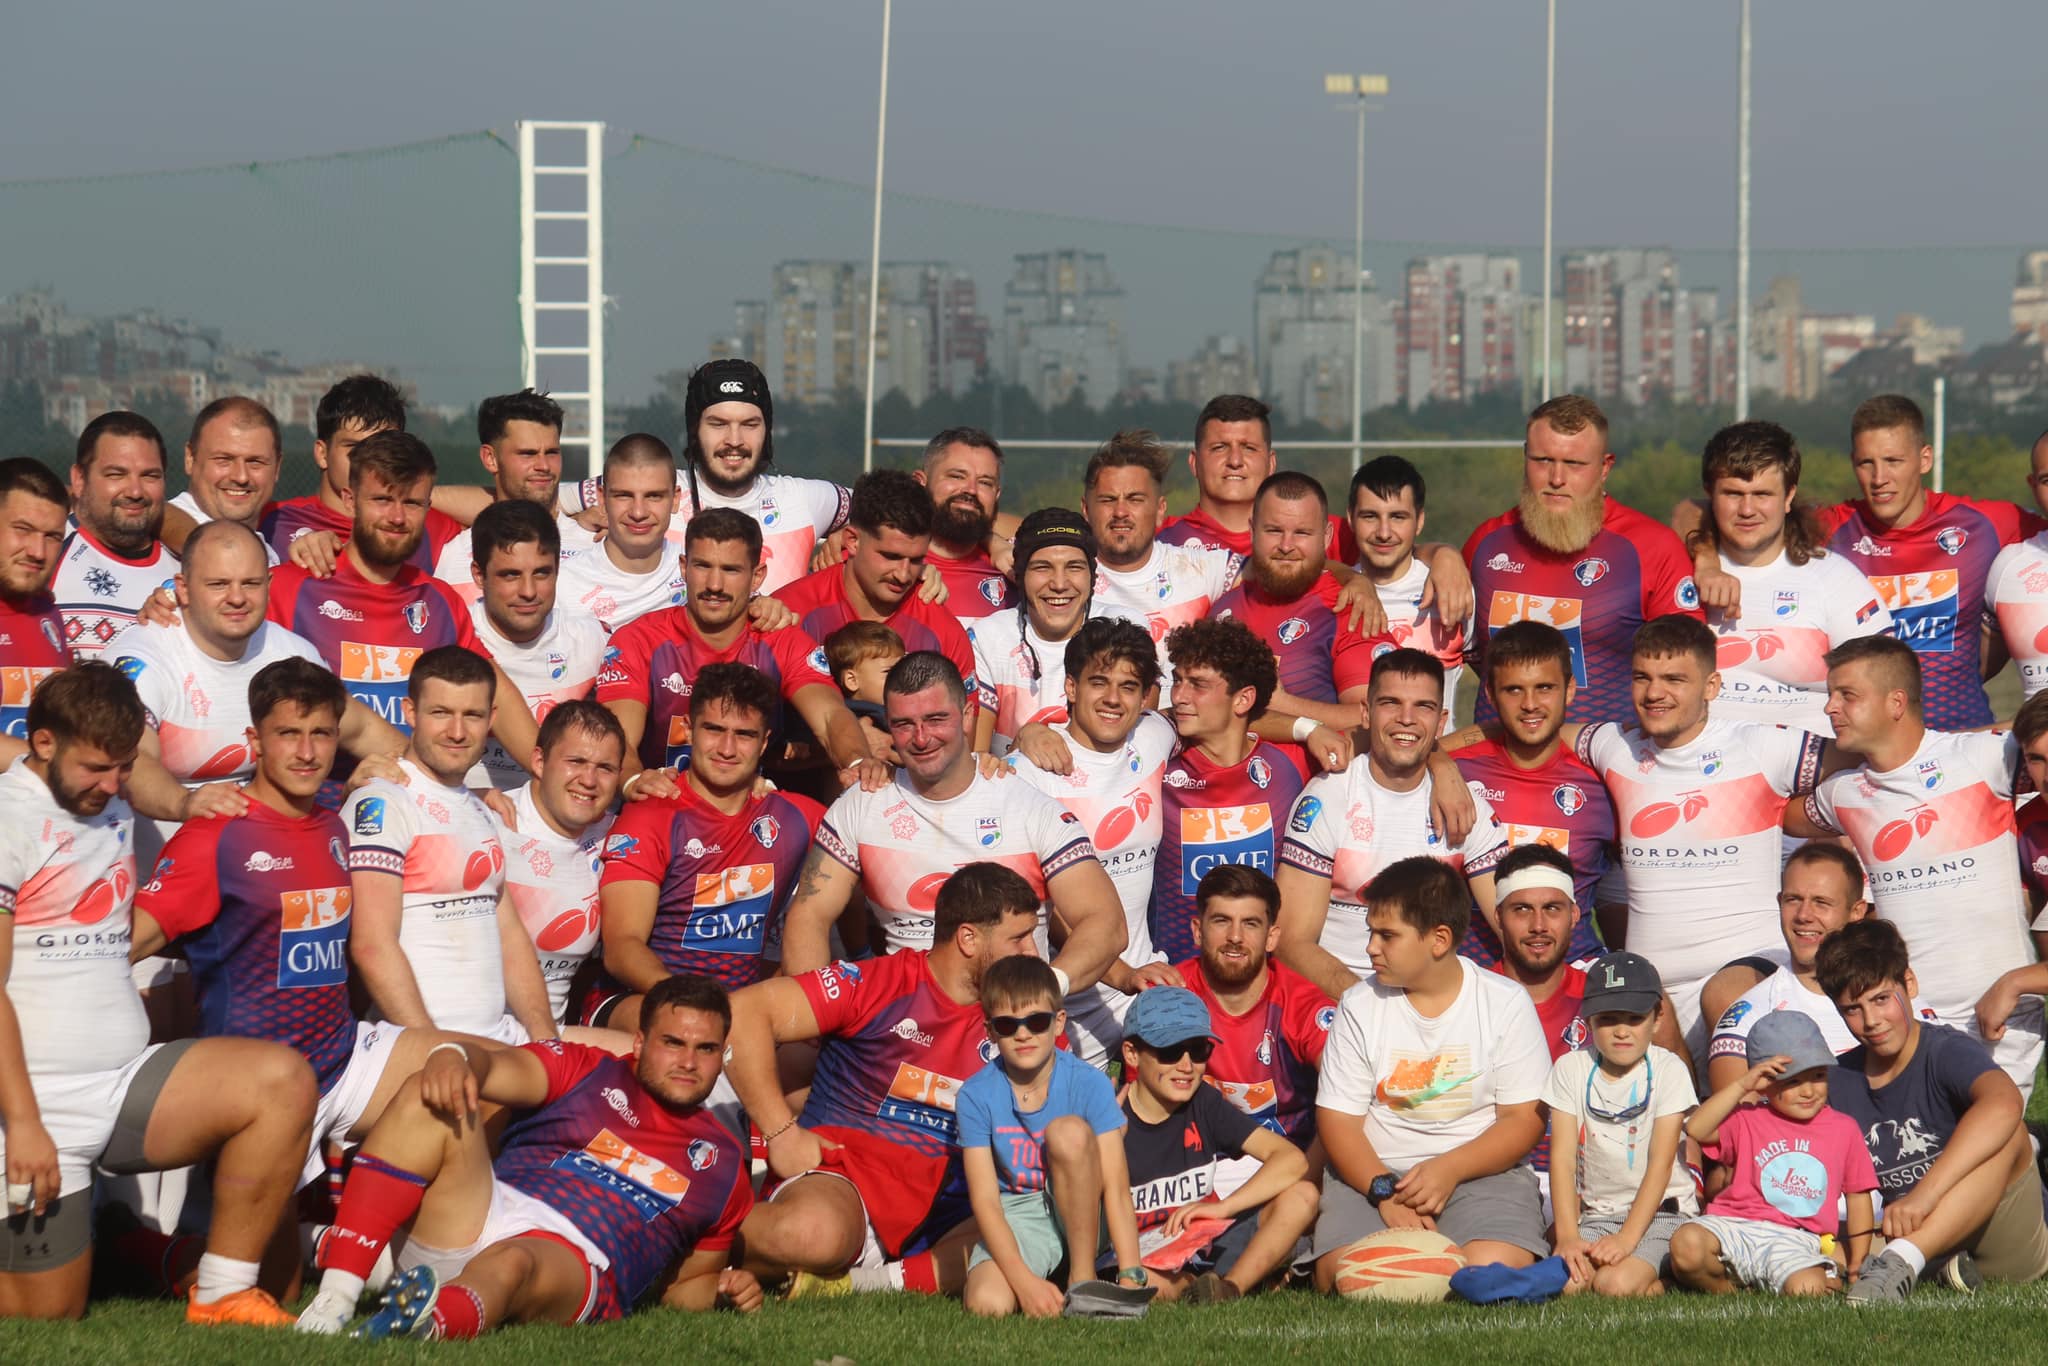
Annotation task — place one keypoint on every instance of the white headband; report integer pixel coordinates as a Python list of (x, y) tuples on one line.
[(1533, 875)]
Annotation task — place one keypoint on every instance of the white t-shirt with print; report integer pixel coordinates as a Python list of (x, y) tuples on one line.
[(1613, 1155), (590, 583), (1424, 1085), (98, 592)]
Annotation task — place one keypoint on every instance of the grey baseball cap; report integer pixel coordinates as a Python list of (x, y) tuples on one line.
[(1793, 1034), (1622, 981)]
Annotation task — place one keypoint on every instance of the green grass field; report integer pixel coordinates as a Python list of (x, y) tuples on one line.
[(1999, 1324)]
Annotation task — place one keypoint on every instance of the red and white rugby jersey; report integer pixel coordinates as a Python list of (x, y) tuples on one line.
[(68, 886), (1175, 585), (1773, 658), (98, 592), (1019, 674), (1411, 625), (31, 649), (444, 842), (1936, 836), (590, 583), (453, 561), (1699, 838), (2018, 594), (1348, 826), (794, 513), (904, 845), (552, 881), (1116, 797), (558, 665)]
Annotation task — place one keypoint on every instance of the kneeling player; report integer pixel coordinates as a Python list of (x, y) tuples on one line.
[(612, 1179)]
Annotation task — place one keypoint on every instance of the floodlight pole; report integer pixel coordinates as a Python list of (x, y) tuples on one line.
[(867, 426), (1549, 177), (1742, 223)]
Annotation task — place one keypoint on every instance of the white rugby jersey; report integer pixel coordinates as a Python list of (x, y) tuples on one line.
[(199, 704), (444, 842), (69, 886), (453, 564), (1783, 990), (1003, 679), (1773, 658), (1175, 585), (1116, 797), (1412, 625), (559, 665), (1936, 836), (1347, 827), (904, 846), (553, 885), (794, 513), (189, 505), (2017, 592), (99, 592), (591, 584), (1697, 829)]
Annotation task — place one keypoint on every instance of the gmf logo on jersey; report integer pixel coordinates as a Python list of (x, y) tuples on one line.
[(1305, 812), (992, 590), (729, 909), (1590, 571), (765, 830), (1952, 538), (988, 831), (1215, 835), (416, 616), (1291, 630), (1788, 603), (1256, 768), (648, 1184), (1923, 607), (1505, 609), (1569, 798), (312, 949), (17, 686), (1929, 771), (370, 816), (922, 1099)]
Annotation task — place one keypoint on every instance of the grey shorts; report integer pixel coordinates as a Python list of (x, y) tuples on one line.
[(1035, 1224), (1655, 1246), (1503, 1208)]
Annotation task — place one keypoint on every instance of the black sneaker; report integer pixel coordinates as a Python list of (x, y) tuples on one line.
[(1958, 1271)]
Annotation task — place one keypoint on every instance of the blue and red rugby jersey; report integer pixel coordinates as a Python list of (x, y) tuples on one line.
[(975, 588), (1266, 1059), (656, 658), (1561, 803), (371, 634), (1320, 657), (31, 649), (1214, 815), (1634, 569), (1931, 575), (260, 905), (645, 1185), (724, 880), (820, 600), (2032, 832), (284, 522)]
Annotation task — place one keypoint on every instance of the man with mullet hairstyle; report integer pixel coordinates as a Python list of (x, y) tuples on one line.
[(1570, 556)]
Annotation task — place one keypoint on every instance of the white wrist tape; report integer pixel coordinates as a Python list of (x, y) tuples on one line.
[(1304, 726)]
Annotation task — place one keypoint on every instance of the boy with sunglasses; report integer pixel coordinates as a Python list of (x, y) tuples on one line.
[(1041, 1139), (1220, 1195), (1617, 1110)]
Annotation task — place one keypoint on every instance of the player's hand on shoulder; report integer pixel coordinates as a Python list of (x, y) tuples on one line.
[(160, 608), (771, 614), (1719, 590), (872, 775), (1159, 974), (1448, 588), (1332, 750), (993, 766), (500, 806), (215, 799), (1042, 745), (661, 783), (1358, 603), (377, 768), (316, 552), (933, 590)]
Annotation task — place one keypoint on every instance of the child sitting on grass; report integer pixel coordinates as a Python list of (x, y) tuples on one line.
[(1042, 1141), (1790, 1159), (1617, 1111)]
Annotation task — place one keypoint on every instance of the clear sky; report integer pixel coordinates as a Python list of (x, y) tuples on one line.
[(1879, 123)]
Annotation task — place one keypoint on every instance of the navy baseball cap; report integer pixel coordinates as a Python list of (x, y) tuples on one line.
[(1793, 1034), (1622, 981), (1164, 1015)]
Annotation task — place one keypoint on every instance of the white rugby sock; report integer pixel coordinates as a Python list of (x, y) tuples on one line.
[(222, 1276), (344, 1285), (1909, 1254), (887, 1276)]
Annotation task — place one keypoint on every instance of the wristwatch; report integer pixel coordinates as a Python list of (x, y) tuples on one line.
[(1382, 1188)]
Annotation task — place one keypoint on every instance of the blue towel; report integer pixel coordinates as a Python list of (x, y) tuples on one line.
[(1503, 1284)]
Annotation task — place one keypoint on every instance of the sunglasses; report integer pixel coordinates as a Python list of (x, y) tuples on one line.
[(1006, 1026), (1198, 1049)]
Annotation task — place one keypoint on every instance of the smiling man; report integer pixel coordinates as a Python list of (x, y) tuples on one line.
[(633, 570), (963, 468), (1386, 518), (113, 561), (231, 464), (519, 440)]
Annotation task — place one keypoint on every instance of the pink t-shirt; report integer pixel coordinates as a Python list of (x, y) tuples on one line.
[(1786, 1172)]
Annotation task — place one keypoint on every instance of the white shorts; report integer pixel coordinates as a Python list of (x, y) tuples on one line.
[(2019, 1052), (79, 1110), (1095, 1024), (155, 971), (871, 1255), (1763, 1256), (511, 1214), (508, 1031), (343, 1103)]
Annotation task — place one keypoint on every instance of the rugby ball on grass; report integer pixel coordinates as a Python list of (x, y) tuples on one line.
[(1404, 1265)]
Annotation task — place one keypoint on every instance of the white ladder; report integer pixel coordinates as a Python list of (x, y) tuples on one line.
[(561, 277)]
